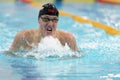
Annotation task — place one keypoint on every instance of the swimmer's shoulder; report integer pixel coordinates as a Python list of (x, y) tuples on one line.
[(64, 33), (66, 36), (61, 32), (26, 33)]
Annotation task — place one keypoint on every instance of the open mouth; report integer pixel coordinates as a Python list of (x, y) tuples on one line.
[(49, 29)]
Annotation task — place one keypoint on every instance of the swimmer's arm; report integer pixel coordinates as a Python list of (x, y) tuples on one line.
[(72, 42), (15, 45), (18, 42)]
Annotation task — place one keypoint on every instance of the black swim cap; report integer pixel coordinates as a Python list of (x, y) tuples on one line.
[(48, 9)]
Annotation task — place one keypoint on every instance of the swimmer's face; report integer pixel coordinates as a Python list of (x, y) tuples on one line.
[(48, 24)]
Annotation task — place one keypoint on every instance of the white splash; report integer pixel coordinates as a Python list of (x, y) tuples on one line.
[(111, 76), (50, 43), (50, 46)]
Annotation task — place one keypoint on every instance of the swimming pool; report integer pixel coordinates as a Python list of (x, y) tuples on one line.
[(100, 58)]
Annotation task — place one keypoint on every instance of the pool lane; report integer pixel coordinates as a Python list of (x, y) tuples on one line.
[(108, 29)]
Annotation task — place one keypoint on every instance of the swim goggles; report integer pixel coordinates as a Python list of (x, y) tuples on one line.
[(45, 19)]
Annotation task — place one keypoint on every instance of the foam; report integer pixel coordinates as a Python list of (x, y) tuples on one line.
[(111, 76), (50, 46)]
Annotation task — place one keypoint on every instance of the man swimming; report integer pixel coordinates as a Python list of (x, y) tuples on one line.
[(47, 19)]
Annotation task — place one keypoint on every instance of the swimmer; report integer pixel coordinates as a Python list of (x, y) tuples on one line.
[(48, 18)]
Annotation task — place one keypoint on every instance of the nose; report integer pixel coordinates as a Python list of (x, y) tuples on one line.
[(50, 23)]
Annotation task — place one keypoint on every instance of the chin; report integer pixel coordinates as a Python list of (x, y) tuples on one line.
[(49, 33)]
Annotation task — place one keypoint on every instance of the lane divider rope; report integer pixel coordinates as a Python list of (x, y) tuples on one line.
[(108, 29)]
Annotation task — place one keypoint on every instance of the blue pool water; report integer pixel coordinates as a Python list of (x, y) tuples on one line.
[(100, 58)]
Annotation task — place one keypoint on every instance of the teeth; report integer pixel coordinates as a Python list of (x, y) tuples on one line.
[(49, 29)]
